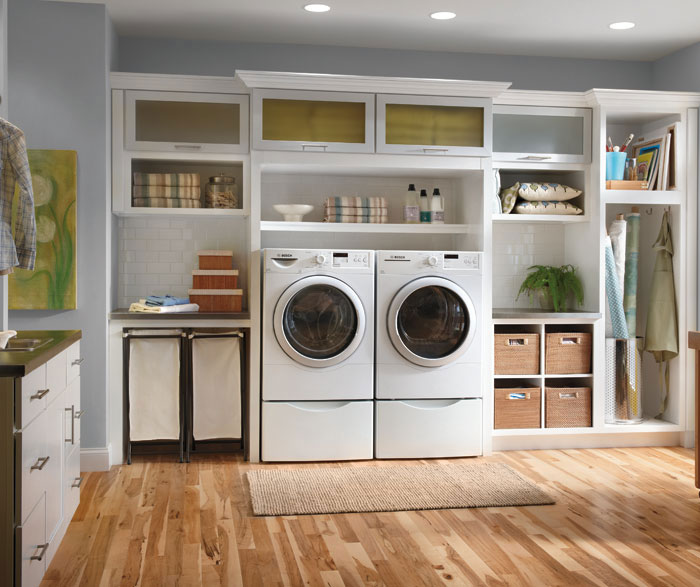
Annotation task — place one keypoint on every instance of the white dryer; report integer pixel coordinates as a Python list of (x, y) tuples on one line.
[(429, 374), (317, 355)]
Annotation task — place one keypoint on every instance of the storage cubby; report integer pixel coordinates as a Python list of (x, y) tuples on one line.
[(517, 404)]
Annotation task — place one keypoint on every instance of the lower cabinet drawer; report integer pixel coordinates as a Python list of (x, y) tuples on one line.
[(71, 484), (317, 431), (31, 546), (33, 456), (428, 428), (31, 396)]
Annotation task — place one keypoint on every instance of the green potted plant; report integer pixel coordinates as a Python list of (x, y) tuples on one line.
[(553, 286)]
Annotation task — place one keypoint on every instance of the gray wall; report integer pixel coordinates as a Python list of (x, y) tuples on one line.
[(532, 73), (678, 71), (58, 66)]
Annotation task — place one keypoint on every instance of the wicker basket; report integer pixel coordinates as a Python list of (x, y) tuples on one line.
[(517, 407), (517, 354), (567, 352), (567, 407)]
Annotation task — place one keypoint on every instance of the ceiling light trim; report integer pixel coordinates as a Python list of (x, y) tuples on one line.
[(623, 25), (443, 15), (317, 8)]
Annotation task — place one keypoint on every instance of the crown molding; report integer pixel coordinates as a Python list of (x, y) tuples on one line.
[(176, 83), (370, 84), (542, 98), (642, 98)]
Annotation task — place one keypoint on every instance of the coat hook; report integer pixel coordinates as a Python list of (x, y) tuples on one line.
[(649, 211)]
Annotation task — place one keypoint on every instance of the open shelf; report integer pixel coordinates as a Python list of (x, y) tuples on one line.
[(643, 197), (544, 431), (198, 212), (526, 218), (282, 226), (649, 425)]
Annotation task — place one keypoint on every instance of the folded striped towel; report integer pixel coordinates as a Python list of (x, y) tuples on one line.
[(357, 219), (165, 203), (166, 191), (356, 202), (345, 211), (167, 179)]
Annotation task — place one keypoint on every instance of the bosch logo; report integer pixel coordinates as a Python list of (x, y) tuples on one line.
[(285, 255), (397, 257)]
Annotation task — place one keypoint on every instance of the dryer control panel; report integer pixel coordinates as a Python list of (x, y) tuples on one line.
[(410, 262)]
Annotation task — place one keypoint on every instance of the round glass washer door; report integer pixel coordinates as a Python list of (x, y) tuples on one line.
[(431, 321), (319, 321)]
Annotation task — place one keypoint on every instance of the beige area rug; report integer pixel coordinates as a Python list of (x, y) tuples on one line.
[(286, 492)]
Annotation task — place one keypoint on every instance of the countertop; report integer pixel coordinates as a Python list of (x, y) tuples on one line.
[(524, 313), (124, 314), (19, 363)]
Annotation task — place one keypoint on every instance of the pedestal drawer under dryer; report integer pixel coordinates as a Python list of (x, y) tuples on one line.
[(428, 428)]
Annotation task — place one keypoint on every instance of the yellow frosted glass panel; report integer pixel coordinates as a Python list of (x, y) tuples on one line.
[(449, 126), (187, 122), (313, 121)]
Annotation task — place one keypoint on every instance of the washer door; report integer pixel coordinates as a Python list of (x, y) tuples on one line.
[(431, 321), (319, 321)]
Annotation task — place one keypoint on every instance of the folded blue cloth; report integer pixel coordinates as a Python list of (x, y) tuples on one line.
[(166, 301)]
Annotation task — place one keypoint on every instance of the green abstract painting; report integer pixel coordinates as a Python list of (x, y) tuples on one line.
[(53, 283)]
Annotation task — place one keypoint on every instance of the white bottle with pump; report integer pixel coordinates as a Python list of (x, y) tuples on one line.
[(411, 206), (424, 207), (437, 208)]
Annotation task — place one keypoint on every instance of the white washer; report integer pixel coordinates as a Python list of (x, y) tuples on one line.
[(317, 354), (429, 354)]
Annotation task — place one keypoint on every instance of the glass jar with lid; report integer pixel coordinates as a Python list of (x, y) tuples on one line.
[(221, 192)]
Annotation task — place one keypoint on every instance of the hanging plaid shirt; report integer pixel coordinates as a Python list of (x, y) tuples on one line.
[(14, 170)]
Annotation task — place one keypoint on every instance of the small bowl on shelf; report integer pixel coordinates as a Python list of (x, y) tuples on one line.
[(293, 212)]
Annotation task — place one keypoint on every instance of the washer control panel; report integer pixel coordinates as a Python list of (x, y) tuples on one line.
[(302, 260), (408, 262)]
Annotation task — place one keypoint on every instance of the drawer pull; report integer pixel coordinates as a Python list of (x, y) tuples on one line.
[(434, 150), (79, 414), (77, 483), (188, 147), (516, 341), (570, 340), (312, 147), (42, 552), (39, 394), (72, 425), (534, 158), (569, 395), (524, 396), (38, 467), (78, 361)]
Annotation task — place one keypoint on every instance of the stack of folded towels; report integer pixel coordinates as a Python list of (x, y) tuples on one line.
[(163, 305), (355, 209), (167, 190)]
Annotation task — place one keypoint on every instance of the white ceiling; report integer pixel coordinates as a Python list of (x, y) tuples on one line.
[(558, 28)]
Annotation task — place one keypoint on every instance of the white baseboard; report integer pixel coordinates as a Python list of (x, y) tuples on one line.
[(95, 459)]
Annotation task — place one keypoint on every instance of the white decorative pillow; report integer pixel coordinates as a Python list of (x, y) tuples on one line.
[(563, 208), (508, 197), (538, 192)]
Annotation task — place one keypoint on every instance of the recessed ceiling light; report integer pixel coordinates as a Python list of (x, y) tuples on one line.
[(443, 15), (621, 26), (317, 8)]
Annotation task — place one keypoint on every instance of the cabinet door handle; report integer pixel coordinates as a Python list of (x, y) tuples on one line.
[(78, 361), (534, 158), (72, 425), (77, 483), (188, 147), (39, 394), (434, 150), (311, 147), (42, 552), (38, 467), (78, 414)]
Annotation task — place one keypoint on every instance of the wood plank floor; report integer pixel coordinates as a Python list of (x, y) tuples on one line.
[(623, 517)]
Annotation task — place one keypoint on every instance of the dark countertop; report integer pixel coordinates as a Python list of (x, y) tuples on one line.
[(124, 314), (19, 363), (524, 313)]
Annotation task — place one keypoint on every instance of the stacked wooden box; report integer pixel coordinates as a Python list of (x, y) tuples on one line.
[(214, 283)]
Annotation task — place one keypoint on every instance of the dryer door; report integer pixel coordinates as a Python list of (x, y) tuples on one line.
[(319, 321), (431, 321)]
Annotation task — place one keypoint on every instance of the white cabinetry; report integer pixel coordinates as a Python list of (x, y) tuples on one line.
[(47, 447)]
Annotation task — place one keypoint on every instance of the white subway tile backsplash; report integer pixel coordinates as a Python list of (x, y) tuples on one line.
[(159, 223), (170, 257)]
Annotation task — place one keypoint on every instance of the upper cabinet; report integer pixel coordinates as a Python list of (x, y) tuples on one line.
[(535, 133), (433, 125), (294, 120), (186, 122)]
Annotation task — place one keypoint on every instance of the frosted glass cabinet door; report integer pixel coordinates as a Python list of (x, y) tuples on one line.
[(430, 125), (292, 120), (186, 122), (534, 133)]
